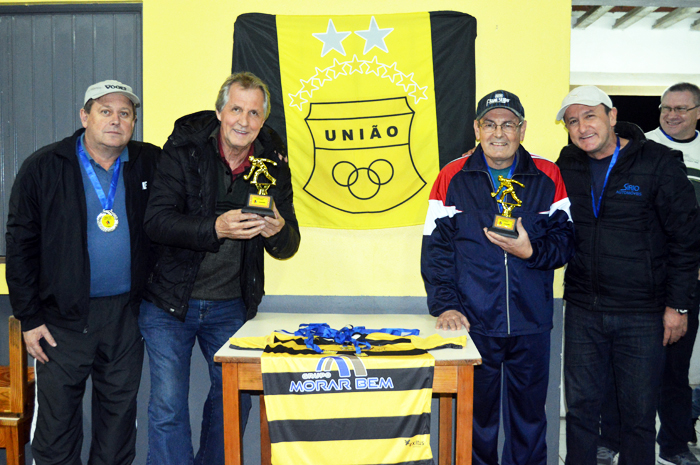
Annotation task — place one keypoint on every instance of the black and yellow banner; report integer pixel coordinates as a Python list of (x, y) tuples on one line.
[(371, 107)]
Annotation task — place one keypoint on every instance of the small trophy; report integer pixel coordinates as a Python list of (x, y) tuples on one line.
[(504, 224), (260, 203)]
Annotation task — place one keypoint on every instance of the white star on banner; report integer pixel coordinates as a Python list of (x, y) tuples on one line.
[(374, 37), (332, 39)]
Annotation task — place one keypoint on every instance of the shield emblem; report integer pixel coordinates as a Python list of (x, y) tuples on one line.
[(362, 155)]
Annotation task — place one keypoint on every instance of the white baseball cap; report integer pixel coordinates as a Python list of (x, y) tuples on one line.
[(590, 96), (111, 87)]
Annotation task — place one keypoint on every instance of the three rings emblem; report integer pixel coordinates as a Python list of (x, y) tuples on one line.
[(363, 183)]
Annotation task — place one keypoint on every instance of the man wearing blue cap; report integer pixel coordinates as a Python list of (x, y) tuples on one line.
[(77, 262), (499, 286)]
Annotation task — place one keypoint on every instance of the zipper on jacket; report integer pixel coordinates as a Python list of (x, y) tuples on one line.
[(595, 282), (505, 255), (505, 259), (595, 285)]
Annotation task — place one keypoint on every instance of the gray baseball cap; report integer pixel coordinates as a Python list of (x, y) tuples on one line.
[(590, 96), (111, 86)]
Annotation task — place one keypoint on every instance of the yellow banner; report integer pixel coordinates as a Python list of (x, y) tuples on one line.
[(360, 118)]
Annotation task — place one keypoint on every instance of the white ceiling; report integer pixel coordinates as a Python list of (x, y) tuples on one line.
[(640, 58)]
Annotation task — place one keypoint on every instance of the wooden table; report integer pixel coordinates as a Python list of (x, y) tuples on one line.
[(454, 377)]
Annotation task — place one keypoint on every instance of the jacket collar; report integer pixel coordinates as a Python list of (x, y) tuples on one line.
[(194, 128), (524, 163), (633, 133), (66, 147)]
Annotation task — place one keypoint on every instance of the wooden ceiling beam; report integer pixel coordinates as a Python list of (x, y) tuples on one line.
[(669, 19), (633, 16), (592, 15)]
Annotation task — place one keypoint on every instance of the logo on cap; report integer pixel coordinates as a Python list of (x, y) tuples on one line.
[(498, 98)]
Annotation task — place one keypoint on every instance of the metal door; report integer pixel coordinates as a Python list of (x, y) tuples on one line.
[(49, 55)]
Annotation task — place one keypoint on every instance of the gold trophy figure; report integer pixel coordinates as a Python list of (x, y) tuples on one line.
[(260, 168), (504, 224), (260, 203)]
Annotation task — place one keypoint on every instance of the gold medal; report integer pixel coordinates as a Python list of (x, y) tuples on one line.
[(107, 221)]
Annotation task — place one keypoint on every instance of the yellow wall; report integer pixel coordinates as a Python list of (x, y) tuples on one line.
[(521, 46)]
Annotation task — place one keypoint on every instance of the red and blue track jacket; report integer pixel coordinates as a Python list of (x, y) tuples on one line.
[(500, 294)]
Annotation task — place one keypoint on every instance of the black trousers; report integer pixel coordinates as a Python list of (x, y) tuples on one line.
[(676, 399), (111, 352)]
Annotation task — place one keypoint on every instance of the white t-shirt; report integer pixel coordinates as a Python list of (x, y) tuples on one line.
[(691, 154)]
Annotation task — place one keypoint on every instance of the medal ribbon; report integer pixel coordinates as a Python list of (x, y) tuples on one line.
[(493, 181), (596, 206), (108, 201), (346, 336)]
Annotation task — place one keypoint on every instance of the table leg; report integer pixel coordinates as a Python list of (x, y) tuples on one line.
[(465, 410), (265, 450), (232, 415), (445, 431)]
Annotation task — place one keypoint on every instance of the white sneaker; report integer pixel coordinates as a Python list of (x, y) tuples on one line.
[(607, 456)]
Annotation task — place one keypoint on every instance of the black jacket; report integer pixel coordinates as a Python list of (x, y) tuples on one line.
[(48, 268), (181, 216), (642, 252)]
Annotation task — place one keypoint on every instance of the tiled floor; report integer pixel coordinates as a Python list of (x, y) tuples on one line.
[(562, 441)]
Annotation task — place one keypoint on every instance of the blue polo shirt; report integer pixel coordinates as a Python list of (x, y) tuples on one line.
[(110, 252)]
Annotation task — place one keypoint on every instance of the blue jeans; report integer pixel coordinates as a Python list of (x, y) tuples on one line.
[(630, 345), (169, 342), (675, 399)]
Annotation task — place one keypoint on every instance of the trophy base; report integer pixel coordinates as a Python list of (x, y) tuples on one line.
[(505, 226), (260, 205)]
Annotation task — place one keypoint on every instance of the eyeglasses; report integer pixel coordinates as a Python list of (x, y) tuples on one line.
[(508, 127), (680, 110)]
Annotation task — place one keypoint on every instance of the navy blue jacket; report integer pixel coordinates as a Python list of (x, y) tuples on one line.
[(500, 294)]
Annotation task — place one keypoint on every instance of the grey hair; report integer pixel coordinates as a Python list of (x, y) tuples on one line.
[(246, 80)]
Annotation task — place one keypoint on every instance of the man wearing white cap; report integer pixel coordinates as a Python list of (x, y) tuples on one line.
[(77, 261), (679, 114), (637, 255)]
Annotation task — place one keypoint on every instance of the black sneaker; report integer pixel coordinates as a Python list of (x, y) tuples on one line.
[(685, 458)]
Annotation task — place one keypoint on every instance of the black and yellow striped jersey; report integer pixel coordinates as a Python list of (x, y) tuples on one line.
[(341, 408)]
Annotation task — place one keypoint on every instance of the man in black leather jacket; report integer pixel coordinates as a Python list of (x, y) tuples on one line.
[(208, 278)]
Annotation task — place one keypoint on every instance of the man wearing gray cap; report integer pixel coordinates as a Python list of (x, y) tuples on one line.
[(679, 114), (498, 285), (77, 261), (636, 261)]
